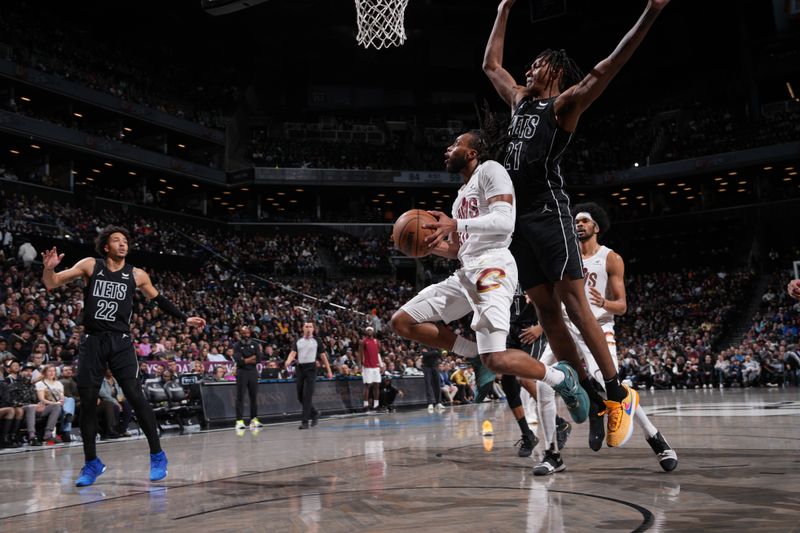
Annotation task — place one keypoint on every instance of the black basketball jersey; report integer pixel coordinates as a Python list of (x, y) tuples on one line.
[(533, 153), (108, 299), (523, 314)]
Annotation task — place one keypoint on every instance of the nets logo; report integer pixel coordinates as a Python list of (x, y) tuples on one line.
[(109, 289)]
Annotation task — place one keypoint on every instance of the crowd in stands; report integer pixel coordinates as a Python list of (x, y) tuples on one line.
[(667, 338), (307, 153), (366, 255), (70, 52)]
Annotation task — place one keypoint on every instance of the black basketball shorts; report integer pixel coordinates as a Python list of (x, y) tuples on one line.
[(513, 341), (99, 351), (545, 246)]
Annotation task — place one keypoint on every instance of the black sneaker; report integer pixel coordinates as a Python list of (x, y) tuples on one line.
[(551, 463), (527, 443), (597, 428), (667, 457), (315, 418), (303, 425), (563, 430), (33, 441)]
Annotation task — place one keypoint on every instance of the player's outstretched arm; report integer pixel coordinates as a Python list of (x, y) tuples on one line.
[(502, 80), (144, 284), (52, 279), (573, 102)]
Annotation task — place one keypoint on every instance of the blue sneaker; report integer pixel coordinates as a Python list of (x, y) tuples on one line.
[(89, 473), (572, 393), (158, 466)]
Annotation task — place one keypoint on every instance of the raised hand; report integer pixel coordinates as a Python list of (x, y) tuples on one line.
[(659, 4), (505, 4), (51, 258)]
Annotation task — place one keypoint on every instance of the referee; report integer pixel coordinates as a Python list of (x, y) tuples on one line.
[(246, 353), (307, 350)]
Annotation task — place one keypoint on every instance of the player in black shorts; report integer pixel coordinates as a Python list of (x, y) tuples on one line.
[(106, 343), (525, 335), (545, 113)]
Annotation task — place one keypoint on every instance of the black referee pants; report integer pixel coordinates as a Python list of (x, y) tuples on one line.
[(305, 379), (433, 392), (246, 380)]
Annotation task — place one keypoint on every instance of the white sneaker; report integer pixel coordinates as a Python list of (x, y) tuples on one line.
[(240, 424), (440, 407), (430, 407), (255, 424)]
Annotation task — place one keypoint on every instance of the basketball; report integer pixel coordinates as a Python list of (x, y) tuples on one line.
[(409, 235)]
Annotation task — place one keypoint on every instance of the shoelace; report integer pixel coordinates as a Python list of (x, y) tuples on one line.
[(614, 412)]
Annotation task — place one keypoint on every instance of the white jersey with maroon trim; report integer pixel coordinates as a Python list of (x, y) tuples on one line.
[(489, 179), (595, 275)]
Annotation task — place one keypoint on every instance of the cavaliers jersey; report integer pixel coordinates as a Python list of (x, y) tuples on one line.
[(108, 299), (489, 179), (595, 275), (533, 153), (371, 353)]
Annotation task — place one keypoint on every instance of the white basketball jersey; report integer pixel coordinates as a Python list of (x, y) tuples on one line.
[(595, 275), (489, 179)]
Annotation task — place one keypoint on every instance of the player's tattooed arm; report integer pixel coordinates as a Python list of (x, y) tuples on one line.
[(501, 79)]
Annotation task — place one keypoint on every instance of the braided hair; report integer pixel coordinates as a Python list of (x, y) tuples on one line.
[(560, 65)]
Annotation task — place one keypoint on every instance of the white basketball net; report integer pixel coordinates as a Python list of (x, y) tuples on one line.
[(380, 23)]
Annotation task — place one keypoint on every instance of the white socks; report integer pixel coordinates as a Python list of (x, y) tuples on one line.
[(553, 376)]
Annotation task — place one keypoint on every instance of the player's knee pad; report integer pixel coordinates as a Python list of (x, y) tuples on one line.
[(511, 389)]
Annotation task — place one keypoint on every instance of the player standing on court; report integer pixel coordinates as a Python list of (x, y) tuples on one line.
[(545, 113), (108, 304), (479, 234), (605, 289)]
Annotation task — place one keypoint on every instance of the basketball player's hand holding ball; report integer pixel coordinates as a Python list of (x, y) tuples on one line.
[(444, 226), (794, 289), (196, 321), (51, 258)]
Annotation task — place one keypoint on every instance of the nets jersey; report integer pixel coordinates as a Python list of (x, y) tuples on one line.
[(523, 314), (489, 179), (533, 153), (595, 275), (108, 299)]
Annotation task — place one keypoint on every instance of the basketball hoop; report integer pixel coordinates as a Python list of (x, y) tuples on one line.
[(380, 23)]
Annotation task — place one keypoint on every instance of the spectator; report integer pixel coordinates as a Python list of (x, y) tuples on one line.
[(50, 393)]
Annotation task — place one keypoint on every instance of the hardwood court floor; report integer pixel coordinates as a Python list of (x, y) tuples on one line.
[(414, 471)]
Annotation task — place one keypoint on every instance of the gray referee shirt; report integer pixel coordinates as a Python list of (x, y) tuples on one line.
[(307, 350)]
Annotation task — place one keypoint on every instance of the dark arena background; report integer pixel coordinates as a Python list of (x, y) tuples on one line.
[(258, 156)]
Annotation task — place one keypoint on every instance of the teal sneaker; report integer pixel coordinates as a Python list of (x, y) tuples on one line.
[(158, 466), (572, 393), (484, 379), (90, 472)]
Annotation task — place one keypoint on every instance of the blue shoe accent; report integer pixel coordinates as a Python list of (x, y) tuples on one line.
[(90, 472), (483, 375), (572, 393), (158, 466)]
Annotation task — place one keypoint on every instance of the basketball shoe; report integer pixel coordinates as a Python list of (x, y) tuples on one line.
[(240, 424), (90, 472), (254, 423), (620, 418), (667, 457), (158, 466), (572, 393), (563, 430), (526, 444), (550, 464)]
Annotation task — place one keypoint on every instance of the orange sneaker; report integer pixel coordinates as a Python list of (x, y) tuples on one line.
[(620, 418)]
